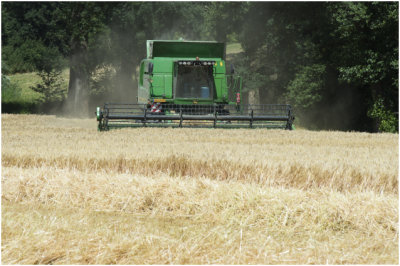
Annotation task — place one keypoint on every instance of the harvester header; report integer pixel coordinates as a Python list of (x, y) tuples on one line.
[(184, 83)]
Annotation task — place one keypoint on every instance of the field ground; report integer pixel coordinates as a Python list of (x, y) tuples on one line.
[(72, 195)]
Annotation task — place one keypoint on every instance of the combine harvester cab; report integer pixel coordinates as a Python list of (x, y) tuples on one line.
[(185, 84)]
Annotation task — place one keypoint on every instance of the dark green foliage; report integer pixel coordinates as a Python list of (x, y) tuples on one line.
[(332, 61), (10, 92), (305, 89), (224, 20), (23, 58), (388, 121), (27, 30), (50, 88)]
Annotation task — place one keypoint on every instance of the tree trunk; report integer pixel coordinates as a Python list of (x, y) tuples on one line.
[(126, 88), (78, 87), (254, 96)]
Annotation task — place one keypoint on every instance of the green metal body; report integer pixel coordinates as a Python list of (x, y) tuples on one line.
[(159, 74)]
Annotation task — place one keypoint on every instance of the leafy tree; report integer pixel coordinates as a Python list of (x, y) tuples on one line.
[(25, 27), (80, 22), (387, 120), (49, 67), (222, 19), (367, 56), (334, 59), (304, 89)]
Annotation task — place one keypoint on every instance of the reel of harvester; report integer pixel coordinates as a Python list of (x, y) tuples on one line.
[(114, 115)]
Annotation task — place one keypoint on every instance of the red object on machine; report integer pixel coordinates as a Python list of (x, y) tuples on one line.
[(238, 97), (156, 108)]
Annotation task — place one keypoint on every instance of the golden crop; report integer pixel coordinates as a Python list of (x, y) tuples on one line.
[(71, 195)]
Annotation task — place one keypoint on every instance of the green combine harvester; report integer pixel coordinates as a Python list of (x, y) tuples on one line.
[(185, 84)]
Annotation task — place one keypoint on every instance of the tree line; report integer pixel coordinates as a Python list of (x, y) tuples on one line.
[(335, 62)]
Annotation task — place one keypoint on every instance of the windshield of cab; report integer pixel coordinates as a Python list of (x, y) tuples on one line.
[(194, 81)]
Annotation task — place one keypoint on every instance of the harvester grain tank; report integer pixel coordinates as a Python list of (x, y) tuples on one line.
[(184, 83)]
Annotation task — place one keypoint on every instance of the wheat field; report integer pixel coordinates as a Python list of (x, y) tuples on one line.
[(72, 195)]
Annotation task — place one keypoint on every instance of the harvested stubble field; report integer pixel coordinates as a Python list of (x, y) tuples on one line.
[(72, 195)]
